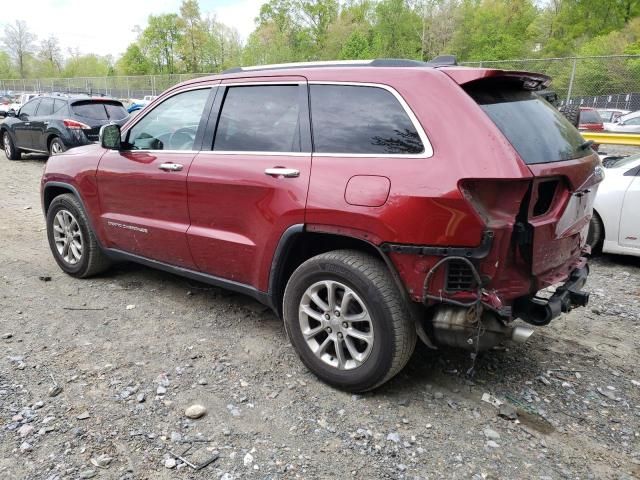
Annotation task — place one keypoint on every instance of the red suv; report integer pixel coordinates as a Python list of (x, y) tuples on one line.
[(367, 203)]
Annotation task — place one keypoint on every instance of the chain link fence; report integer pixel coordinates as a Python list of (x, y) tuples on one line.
[(607, 81), (602, 82), (124, 87)]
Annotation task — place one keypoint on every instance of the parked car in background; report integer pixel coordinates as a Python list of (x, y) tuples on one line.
[(54, 123), (590, 120), (5, 105), (610, 115), (629, 123), (615, 226), (384, 240)]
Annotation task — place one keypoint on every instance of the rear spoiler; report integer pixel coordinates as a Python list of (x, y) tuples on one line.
[(465, 75)]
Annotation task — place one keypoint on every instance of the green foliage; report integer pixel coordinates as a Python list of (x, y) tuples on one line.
[(301, 30), (134, 62)]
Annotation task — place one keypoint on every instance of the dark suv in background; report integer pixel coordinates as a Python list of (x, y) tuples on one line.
[(54, 123)]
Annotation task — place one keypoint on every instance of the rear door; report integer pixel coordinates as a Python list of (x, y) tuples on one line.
[(22, 129), (629, 217), (143, 187), (252, 183), (40, 122)]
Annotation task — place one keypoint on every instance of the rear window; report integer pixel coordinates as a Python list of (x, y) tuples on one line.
[(99, 110), (590, 116), (537, 130)]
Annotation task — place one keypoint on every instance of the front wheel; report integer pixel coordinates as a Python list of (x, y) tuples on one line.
[(10, 149), (347, 320), (72, 242)]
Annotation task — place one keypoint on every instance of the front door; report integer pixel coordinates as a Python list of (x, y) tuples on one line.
[(143, 188), (252, 184), (629, 217), (23, 129)]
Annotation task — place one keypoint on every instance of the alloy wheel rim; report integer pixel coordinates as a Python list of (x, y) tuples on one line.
[(336, 325), (55, 148), (67, 237), (7, 145)]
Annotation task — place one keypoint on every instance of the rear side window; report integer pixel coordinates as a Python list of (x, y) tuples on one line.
[(361, 120), (58, 105), (263, 118), (590, 116), (99, 110), (538, 131), (46, 107)]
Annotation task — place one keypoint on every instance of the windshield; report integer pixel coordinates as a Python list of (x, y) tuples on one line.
[(537, 130)]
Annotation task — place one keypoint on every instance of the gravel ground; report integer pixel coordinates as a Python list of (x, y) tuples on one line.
[(131, 350)]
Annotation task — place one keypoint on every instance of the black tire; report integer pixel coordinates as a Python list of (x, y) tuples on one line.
[(595, 238), (571, 113), (92, 260), (393, 328), (9, 147), (56, 146)]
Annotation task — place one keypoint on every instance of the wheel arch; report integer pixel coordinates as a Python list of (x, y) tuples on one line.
[(297, 245)]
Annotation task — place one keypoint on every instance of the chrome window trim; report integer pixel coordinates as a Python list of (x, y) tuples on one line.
[(428, 148), (261, 154)]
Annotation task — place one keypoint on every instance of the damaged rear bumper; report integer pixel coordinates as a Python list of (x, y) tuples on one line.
[(540, 311)]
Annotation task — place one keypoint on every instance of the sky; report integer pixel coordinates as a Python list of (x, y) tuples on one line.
[(107, 27)]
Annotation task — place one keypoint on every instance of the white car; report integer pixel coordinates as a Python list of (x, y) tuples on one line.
[(615, 226), (626, 124)]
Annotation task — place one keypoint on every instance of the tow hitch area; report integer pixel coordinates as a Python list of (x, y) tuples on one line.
[(539, 311)]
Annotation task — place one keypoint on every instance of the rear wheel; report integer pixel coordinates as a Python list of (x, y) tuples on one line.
[(10, 149), (347, 320), (595, 238), (72, 242), (56, 146)]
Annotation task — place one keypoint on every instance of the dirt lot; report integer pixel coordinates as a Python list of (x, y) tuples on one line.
[(116, 343)]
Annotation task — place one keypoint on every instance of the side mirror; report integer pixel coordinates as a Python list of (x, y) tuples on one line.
[(11, 113), (110, 136)]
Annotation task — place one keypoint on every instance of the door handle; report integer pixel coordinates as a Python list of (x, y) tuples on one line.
[(171, 167), (26, 124), (282, 172)]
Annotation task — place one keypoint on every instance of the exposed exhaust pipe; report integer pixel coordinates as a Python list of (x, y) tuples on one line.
[(521, 333)]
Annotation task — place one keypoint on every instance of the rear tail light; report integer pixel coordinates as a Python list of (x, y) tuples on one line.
[(73, 125), (497, 202)]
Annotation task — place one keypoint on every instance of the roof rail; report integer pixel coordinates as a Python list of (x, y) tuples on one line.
[(443, 60)]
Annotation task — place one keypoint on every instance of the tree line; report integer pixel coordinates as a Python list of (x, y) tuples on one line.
[(303, 30)]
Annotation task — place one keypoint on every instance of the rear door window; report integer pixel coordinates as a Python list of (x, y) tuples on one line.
[(537, 130), (361, 120), (46, 107), (261, 118)]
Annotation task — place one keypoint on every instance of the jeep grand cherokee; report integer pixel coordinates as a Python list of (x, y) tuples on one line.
[(367, 203)]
